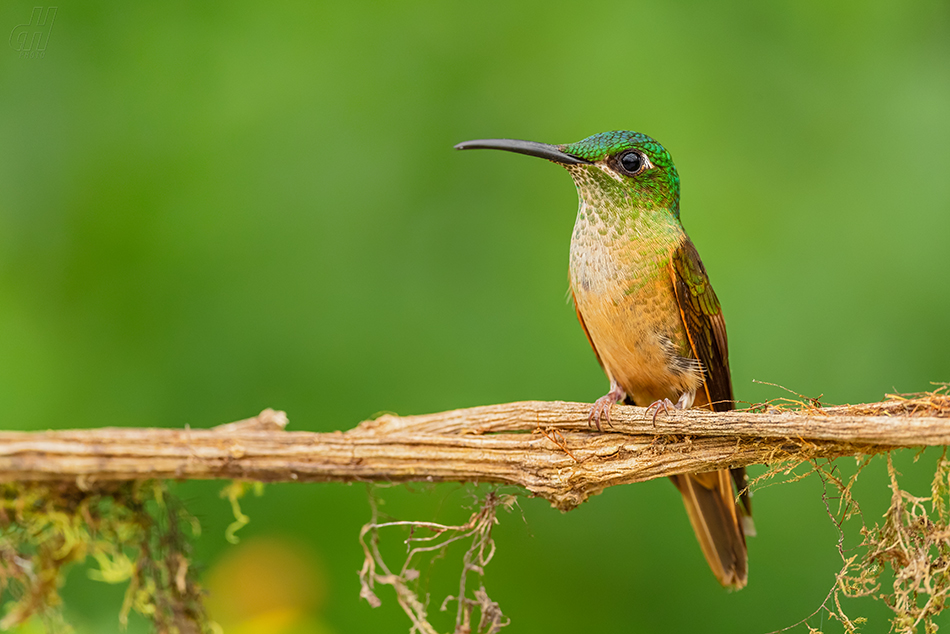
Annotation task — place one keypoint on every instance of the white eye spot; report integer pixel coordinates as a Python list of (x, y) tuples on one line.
[(612, 173)]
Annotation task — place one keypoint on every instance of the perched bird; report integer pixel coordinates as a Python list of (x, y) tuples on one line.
[(644, 300)]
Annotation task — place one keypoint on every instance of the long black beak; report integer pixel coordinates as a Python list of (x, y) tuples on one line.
[(541, 150)]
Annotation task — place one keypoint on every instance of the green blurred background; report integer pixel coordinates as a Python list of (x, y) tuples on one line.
[(206, 210)]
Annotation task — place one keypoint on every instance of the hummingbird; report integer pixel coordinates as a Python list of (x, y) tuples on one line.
[(643, 298)]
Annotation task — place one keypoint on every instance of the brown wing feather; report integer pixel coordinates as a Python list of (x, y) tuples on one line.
[(704, 323), (706, 328), (719, 524)]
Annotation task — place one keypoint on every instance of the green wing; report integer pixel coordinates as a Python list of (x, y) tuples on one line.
[(705, 326)]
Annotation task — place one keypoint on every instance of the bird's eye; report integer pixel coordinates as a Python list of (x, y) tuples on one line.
[(632, 162)]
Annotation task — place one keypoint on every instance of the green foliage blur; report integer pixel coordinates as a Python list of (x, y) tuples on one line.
[(209, 210)]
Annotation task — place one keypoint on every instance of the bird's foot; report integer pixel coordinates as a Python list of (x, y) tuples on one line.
[(663, 405), (685, 401), (602, 406)]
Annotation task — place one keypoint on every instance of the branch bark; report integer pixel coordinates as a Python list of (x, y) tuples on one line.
[(545, 447)]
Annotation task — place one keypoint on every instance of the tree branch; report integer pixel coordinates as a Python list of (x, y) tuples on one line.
[(545, 447)]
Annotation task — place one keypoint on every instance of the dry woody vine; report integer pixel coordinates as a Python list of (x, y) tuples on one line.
[(75, 495)]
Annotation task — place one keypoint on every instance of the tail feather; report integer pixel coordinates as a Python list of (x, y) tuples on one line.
[(718, 523)]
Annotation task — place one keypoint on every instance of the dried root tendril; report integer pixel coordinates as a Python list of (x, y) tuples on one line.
[(433, 539), (912, 543)]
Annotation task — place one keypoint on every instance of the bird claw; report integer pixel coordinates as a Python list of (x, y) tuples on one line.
[(601, 410), (602, 406), (665, 405)]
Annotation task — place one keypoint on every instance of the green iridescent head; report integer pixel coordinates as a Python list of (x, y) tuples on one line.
[(625, 167)]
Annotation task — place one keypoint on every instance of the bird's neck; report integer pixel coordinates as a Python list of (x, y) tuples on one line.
[(649, 231), (617, 248)]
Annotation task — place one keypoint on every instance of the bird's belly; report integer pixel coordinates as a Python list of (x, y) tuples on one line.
[(639, 337)]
